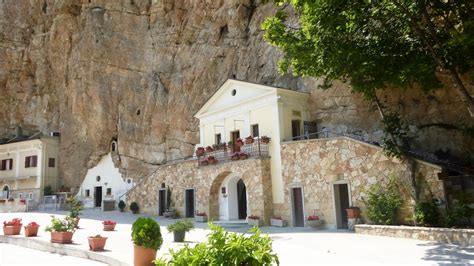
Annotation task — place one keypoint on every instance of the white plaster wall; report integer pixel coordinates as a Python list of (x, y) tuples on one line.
[(108, 174)]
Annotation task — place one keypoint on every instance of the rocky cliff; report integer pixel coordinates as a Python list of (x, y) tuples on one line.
[(138, 70)]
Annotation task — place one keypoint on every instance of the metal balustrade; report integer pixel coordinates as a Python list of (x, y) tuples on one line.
[(253, 150)]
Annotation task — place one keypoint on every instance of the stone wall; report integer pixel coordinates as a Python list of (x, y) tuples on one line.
[(463, 237), (207, 180), (12, 206), (316, 165)]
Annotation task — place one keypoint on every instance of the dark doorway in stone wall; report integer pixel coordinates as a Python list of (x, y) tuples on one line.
[(98, 196), (189, 199), (161, 201), (242, 199), (298, 208), (341, 198)]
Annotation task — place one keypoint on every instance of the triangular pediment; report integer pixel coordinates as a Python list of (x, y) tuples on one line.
[(233, 92)]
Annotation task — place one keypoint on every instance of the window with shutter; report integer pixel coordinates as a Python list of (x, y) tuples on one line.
[(27, 161), (3, 167), (51, 162), (34, 161)]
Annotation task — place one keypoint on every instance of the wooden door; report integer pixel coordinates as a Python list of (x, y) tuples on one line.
[(235, 136), (298, 212), (189, 203), (341, 196), (98, 196), (161, 201)]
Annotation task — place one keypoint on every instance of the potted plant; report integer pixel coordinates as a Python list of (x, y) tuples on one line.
[(11, 200), (2, 200), (200, 151), (23, 201), (121, 205), (249, 140), (180, 228), (265, 139), (239, 142), (314, 221), (234, 156), (200, 217), (134, 207), (61, 230), (75, 210), (243, 156), (209, 149), (31, 229), (97, 242), (254, 220), (211, 160), (12, 227), (277, 221), (204, 162), (353, 212), (146, 237), (109, 225)]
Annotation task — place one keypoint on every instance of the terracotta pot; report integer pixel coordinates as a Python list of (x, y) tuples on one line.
[(179, 236), (97, 243), (353, 213), (211, 160), (204, 162), (11, 230), (109, 227), (243, 156), (234, 157), (31, 231), (143, 256), (199, 152), (249, 141), (61, 237)]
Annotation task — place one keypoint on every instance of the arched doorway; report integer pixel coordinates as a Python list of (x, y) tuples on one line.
[(242, 199), (6, 192)]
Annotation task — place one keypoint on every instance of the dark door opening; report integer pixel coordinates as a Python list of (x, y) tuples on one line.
[(341, 197), (235, 136), (189, 197), (98, 196), (242, 199), (296, 129), (298, 212), (161, 201)]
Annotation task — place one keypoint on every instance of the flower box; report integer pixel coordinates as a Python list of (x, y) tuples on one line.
[(254, 220), (249, 140), (353, 212), (278, 222), (169, 214), (109, 225), (243, 156), (31, 229), (200, 217), (211, 160), (314, 223), (97, 243), (61, 237), (200, 151), (12, 227)]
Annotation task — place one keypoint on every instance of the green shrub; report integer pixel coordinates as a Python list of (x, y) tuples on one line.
[(48, 190), (383, 203), (224, 248), (75, 206), (459, 214), (181, 226), (134, 207), (146, 233), (121, 205), (426, 213), (58, 225)]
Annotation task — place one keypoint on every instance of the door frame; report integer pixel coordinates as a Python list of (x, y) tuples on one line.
[(186, 200), (349, 194), (158, 196), (293, 217)]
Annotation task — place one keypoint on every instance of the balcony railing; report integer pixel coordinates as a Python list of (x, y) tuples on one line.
[(256, 149)]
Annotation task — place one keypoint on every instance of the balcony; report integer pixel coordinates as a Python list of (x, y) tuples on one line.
[(223, 154)]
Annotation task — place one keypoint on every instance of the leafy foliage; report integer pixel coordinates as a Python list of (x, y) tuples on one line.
[(181, 226), (57, 225), (146, 232), (75, 207), (383, 203), (458, 214), (395, 137), (134, 207), (426, 213), (121, 205), (224, 248)]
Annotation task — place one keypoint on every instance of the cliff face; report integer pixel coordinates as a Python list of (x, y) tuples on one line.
[(137, 71)]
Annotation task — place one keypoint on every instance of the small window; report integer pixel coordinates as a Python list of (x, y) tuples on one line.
[(51, 162), (233, 92), (98, 178), (20, 195), (113, 148), (109, 191), (88, 193), (31, 161), (218, 139), (6, 164), (30, 195), (255, 132)]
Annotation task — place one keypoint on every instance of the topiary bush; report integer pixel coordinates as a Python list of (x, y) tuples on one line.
[(146, 233), (121, 205), (224, 248), (426, 213), (134, 207), (383, 203)]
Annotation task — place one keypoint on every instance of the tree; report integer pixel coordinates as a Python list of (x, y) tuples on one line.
[(375, 45)]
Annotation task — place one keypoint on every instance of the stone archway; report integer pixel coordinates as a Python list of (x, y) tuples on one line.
[(214, 195), (6, 191)]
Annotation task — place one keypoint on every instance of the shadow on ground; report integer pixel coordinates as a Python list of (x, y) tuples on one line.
[(446, 254)]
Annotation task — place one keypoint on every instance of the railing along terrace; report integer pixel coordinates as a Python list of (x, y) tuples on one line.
[(248, 148)]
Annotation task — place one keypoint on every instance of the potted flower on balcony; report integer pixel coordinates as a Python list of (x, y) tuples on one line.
[(265, 139), (239, 142), (211, 160), (234, 156), (249, 140), (277, 221), (209, 149), (204, 162), (12, 227), (314, 221), (23, 201), (353, 212), (61, 230), (254, 220), (31, 229), (180, 228), (146, 237), (200, 151), (97, 242), (109, 225), (121, 205), (243, 155), (134, 207), (200, 217)]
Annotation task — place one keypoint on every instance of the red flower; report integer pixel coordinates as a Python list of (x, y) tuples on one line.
[(33, 224), (254, 217), (13, 222), (313, 217), (109, 222)]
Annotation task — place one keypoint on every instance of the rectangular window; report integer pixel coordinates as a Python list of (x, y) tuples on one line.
[(88, 193), (20, 195), (255, 132), (30, 195), (7, 164), (51, 162), (109, 192), (31, 161), (218, 139)]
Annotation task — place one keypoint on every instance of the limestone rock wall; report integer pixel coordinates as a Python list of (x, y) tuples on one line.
[(138, 70), (316, 165)]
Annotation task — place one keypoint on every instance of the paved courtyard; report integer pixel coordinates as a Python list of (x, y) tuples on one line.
[(294, 246)]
